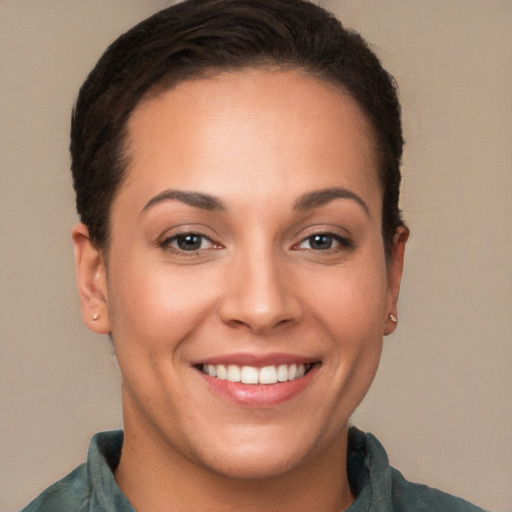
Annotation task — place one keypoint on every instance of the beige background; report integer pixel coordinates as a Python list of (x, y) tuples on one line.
[(441, 403)]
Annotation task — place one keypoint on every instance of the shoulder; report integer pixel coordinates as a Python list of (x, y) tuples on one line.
[(91, 486), (379, 487), (409, 496), (66, 495)]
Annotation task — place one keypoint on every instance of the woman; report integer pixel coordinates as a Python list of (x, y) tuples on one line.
[(236, 165)]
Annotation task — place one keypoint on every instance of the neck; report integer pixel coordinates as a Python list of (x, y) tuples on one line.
[(154, 476)]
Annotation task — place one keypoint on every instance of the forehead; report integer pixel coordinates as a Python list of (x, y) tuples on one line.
[(257, 125)]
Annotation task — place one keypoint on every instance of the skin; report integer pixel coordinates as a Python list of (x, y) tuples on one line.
[(257, 285)]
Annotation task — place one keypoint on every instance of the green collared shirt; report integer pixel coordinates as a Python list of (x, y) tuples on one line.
[(379, 488)]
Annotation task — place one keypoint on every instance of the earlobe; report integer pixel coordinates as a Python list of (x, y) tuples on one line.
[(395, 270), (91, 281)]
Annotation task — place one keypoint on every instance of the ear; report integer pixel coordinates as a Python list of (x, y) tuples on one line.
[(91, 279), (395, 270)]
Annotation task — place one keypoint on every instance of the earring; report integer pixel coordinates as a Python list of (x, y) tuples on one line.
[(393, 318), (95, 317)]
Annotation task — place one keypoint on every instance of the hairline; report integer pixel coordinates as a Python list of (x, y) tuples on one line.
[(168, 82)]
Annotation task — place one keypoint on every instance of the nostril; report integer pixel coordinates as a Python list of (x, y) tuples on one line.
[(261, 298)]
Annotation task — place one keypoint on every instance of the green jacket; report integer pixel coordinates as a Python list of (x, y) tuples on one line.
[(379, 488)]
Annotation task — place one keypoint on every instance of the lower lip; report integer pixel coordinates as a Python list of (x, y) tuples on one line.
[(260, 395)]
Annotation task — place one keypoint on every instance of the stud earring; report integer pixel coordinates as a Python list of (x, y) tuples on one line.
[(95, 317), (393, 318)]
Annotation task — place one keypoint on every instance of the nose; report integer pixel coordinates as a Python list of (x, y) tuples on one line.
[(260, 294)]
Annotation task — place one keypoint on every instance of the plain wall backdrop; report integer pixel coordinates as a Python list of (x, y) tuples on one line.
[(441, 403)]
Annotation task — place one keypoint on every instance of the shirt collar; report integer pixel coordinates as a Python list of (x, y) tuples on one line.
[(368, 470)]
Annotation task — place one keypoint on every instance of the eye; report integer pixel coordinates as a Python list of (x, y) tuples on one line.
[(189, 242), (325, 242), (320, 242)]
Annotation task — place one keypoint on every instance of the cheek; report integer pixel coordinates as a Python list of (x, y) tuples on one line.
[(351, 299), (156, 306)]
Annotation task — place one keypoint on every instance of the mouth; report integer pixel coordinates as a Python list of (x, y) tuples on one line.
[(266, 375), (261, 381)]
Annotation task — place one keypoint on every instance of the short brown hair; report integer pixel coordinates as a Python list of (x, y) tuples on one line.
[(199, 37)]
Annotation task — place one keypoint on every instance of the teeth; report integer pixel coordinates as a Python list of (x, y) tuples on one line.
[(268, 374), (249, 375), (253, 375), (233, 373), (283, 373), (218, 371)]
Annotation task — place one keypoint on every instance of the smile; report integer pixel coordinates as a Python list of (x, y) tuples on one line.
[(254, 375)]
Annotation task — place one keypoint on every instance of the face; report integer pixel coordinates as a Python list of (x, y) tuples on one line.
[(246, 285)]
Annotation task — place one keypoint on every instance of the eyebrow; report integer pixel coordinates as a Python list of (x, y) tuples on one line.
[(207, 202), (321, 197), (196, 199)]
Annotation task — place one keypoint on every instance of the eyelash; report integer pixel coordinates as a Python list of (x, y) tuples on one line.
[(181, 238), (343, 242)]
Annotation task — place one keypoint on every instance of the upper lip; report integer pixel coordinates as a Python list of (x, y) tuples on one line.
[(256, 360)]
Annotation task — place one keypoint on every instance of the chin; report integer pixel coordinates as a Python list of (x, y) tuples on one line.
[(257, 455), (255, 463)]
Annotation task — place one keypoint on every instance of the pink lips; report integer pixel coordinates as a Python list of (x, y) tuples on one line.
[(259, 395), (258, 360)]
